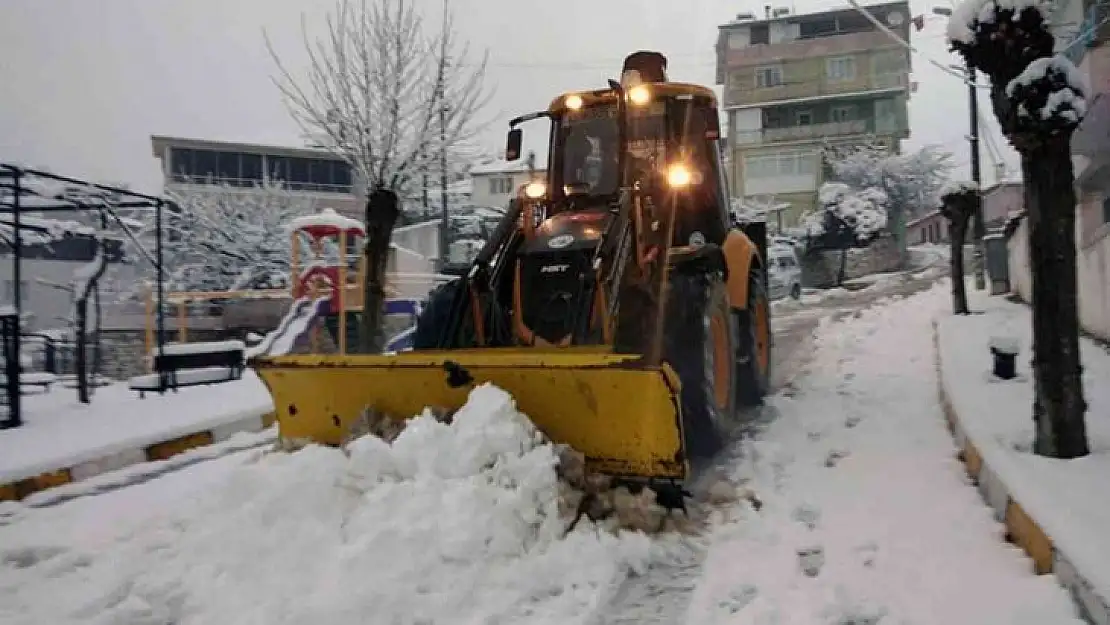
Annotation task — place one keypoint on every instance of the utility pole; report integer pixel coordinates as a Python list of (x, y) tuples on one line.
[(424, 183), (443, 226), (979, 228)]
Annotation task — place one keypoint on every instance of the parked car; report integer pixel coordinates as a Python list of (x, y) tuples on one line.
[(785, 274)]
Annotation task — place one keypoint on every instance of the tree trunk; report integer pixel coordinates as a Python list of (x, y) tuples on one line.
[(81, 365), (1058, 404), (841, 273), (957, 233), (382, 211)]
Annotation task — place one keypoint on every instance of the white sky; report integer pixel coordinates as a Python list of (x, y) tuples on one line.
[(84, 83)]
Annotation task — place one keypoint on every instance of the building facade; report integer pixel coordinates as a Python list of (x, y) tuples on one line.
[(191, 164), (794, 83), (493, 184)]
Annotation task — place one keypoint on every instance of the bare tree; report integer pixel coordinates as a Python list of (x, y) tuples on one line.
[(388, 97), (958, 203), (1039, 98)]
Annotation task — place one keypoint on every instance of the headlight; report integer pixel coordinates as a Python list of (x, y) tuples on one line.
[(639, 95), (573, 102), (535, 190), (679, 175)]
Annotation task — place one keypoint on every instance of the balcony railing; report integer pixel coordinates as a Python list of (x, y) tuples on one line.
[(813, 131), (248, 183), (749, 94)]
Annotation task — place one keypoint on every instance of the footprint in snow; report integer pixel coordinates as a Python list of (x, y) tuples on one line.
[(852, 421), (835, 456), (739, 598), (807, 515), (810, 559)]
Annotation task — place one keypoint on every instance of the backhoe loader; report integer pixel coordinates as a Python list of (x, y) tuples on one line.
[(618, 300)]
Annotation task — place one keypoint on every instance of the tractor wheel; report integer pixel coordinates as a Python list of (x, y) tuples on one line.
[(436, 316), (699, 344), (754, 356)]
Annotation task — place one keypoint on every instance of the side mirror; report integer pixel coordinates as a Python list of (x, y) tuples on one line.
[(513, 145)]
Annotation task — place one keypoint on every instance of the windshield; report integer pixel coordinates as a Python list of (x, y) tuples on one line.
[(587, 141)]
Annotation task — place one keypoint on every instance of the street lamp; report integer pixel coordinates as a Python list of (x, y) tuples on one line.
[(979, 227)]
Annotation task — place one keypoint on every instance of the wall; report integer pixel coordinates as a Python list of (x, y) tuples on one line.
[(422, 238), (1000, 200), (1092, 269), (932, 228), (819, 270)]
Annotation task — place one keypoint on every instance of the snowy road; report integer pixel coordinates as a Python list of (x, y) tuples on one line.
[(864, 516)]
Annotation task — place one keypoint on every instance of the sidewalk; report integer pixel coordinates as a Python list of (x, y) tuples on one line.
[(63, 441), (1057, 511)]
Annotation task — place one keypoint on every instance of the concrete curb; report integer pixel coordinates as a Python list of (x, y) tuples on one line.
[(1021, 529), (161, 450)]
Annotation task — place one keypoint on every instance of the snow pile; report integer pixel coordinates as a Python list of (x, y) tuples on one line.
[(1050, 87), (451, 523)]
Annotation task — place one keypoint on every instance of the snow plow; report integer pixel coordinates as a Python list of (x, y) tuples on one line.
[(618, 301)]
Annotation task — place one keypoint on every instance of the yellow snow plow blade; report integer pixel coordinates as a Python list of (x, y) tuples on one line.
[(622, 415)]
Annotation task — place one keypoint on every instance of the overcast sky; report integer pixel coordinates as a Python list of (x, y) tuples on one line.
[(84, 83)]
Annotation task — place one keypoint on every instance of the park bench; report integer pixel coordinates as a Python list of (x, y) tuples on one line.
[(193, 364)]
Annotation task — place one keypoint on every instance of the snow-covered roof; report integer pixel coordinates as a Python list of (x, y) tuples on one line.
[(326, 218), (504, 167)]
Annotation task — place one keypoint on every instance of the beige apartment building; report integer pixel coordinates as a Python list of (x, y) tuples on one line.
[(793, 83)]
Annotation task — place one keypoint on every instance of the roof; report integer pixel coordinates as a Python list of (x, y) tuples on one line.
[(792, 16), (666, 88), (502, 166), (159, 143)]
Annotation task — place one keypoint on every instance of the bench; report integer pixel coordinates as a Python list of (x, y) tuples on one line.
[(193, 364)]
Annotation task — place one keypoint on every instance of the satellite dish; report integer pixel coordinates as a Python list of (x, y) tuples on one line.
[(895, 18)]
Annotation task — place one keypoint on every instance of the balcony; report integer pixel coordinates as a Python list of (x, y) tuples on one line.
[(815, 131), (815, 89), (761, 54)]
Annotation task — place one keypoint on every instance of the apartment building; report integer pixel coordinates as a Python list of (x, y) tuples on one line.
[(793, 82), (188, 164)]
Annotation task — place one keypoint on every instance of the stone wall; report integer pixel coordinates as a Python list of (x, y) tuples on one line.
[(819, 269)]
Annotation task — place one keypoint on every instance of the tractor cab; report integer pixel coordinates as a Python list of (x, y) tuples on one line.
[(644, 133)]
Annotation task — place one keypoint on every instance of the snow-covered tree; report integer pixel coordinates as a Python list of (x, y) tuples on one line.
[(845, 218), (1039, 99), (910, 181), (958, 201), (228, 238)]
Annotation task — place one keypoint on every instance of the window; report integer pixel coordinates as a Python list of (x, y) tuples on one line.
[(206, 165), (250, 167), (803, 117), (768, 77), (841, 68), (761, 33), (228, 167), (500, 185), (843, 113), (780, 165), (737, 39)]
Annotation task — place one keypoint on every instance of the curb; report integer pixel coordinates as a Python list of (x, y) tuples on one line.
[(1022, 530), (161, 450)]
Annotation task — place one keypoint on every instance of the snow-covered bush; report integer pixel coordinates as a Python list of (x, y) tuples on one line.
[(845, 217), (910, 181), (227, 239)]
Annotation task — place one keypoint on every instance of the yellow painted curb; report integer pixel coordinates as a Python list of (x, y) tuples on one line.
[(29, 486), (172, 447), (1021, 529)]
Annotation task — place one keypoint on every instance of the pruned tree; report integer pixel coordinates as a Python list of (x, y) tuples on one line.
[(226, 239), (84, 286), (845, 219), (910, 181), (958, 202), (1039, 100), (388, 96)]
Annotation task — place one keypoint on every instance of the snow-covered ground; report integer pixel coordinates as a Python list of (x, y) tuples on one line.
[(60, 433), (863, 516), (860, 485), (1067, 499)]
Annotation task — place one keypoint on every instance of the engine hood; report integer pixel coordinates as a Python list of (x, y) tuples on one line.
[(569, 232)]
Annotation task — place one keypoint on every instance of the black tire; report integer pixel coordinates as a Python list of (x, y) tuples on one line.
[(754, 379), (796, 290), (694, 302), (436, 316)]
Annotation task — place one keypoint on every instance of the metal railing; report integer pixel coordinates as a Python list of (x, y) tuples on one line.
[(818, 87)]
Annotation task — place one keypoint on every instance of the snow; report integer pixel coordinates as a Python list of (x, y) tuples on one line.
[(450, 524), (858, 483), (85, 276), (861, 212), (1067, 498), (501, 166), (969, 13), (326, 218), (202, 347), (957, 187), (60, 432), (909, 180), (1068, 102)]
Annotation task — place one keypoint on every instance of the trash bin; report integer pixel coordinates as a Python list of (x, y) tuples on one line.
[(998, 263)]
